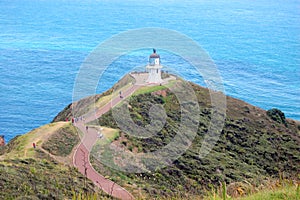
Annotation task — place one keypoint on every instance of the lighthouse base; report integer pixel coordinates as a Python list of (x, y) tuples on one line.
[(154, 74)]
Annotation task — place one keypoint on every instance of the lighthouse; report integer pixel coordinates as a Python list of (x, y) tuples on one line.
[(154, 68)]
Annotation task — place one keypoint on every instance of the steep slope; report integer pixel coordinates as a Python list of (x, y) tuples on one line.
[(43, 179), (252, 147), (91, 103), (44, 172)]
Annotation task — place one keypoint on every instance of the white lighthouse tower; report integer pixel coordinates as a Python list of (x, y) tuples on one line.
[(154, 68)]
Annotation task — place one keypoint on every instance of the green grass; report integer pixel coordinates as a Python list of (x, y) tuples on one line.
[(106, 99), (101, 147), (249, 147), (28, 173), (43, 179), (62, 142), (90, 103), (286, 192), (109, 135), (149, 89), (21, 146), (252, 147)]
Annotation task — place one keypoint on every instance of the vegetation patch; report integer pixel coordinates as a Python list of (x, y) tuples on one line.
[(22, 146), (148, 89), (277, 115), (44, 179), (251, 147), (271, 189), (62, 141), (88, 104)]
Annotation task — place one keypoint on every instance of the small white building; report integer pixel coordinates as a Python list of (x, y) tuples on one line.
[(154, 68)]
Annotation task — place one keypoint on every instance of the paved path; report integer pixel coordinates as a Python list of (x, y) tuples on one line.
[(82, 153), (141, 78)]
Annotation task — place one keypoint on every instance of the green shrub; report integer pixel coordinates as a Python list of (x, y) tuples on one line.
[(277, 115), (62, 142)]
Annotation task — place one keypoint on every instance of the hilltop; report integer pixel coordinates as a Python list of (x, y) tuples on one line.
[(254, 148), (255, 145)]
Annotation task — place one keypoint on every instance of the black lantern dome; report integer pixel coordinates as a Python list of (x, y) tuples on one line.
[(154, 58)]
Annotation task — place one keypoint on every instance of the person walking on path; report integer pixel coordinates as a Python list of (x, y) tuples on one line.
[(83, 150)]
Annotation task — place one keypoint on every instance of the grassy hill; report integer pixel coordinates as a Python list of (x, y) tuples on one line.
[(47, 172), (89, 104), (257, 150), (44, 172), (252, 148)]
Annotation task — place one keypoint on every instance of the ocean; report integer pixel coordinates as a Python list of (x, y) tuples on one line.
[(255, 45)]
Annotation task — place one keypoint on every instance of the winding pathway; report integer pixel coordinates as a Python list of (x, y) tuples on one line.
[(82, 153)]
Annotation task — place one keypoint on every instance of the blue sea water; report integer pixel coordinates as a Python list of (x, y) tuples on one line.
[(255, 44)]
